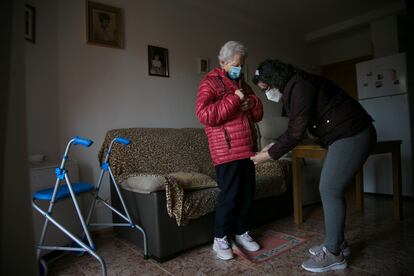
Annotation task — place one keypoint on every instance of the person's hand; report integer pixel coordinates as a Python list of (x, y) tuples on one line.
[(240, 94), (246, 104), (267, 147), (260, 157)]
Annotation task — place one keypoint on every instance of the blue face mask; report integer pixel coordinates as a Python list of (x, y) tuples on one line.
[(234, 72)]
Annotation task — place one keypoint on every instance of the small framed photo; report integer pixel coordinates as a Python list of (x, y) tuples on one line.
[(30, 23), (105, 25), (203, 65), (158, 61)]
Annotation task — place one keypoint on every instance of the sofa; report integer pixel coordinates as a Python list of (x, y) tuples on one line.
[(169, 185)]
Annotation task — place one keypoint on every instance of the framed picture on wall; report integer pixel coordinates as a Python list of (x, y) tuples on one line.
[(105, 25), (203, 65), (30, 23), (158, 61)]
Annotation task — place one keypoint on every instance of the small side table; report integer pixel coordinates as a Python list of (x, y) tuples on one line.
[(316, 152)]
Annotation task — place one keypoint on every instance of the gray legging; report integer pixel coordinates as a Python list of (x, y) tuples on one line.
[(343, 160)]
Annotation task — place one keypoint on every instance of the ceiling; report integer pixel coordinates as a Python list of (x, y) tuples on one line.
[(302, 16)]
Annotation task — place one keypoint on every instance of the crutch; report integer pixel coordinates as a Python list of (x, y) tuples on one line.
[(105, 167), (61, 192)]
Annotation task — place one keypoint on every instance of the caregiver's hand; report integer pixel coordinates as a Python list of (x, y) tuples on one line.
[(260, 157), (246, 104), (267, 147)]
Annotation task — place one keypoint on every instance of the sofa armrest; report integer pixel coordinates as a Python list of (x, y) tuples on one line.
[(144, 183)]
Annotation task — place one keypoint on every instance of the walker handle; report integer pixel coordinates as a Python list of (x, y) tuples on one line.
[(122, 140), (82, 141)]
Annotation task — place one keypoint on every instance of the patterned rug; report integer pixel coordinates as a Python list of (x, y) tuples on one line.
[(272, 244)]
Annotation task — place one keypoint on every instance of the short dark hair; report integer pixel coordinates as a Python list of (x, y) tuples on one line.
[(274, 72)]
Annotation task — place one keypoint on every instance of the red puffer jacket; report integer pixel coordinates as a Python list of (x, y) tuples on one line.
[(230, 131)]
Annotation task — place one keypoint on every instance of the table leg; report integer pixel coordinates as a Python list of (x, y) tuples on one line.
[(297, 191)]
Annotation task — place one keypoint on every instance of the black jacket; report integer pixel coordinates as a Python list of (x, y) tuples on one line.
[(317, 104)]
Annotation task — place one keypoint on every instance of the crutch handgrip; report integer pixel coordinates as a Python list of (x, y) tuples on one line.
[(122, 140), (82, 141)]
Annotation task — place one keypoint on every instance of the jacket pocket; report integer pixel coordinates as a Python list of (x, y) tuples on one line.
[(227, 137)]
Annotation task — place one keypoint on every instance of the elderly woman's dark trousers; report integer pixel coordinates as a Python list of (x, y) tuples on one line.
[(343, 160), (236, 180)]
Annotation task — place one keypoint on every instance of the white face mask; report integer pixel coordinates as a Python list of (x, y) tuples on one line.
[(273, 95)]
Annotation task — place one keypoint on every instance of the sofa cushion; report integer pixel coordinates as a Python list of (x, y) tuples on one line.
[(193, 180), (144, 184), (272, 178)]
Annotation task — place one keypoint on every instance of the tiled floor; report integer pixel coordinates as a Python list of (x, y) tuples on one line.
[(379, 246)]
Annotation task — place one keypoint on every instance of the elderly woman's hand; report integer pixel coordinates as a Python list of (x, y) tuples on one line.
[(260, 157), (240, 94)]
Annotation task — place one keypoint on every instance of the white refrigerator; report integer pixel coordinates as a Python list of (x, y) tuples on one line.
[(382, 91)]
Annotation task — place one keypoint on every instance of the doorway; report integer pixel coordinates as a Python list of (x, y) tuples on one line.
[(343, 73)]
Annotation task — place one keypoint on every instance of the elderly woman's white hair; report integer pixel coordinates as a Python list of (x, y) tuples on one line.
[(230, 49)]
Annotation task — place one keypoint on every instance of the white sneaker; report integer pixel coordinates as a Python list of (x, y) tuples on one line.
[(223, 248), (247, 242)]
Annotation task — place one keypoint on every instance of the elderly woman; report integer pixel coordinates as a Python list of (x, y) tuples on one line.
[(228, 108), (342, 126)]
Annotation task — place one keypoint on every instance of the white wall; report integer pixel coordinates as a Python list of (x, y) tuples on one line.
[(378, 38), (341, 47), (101, 88), (42, 82), (384, 36)]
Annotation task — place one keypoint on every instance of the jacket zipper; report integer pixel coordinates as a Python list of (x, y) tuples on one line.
[(252, 127)]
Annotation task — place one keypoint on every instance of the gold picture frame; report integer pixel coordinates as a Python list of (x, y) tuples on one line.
[(105, 25)]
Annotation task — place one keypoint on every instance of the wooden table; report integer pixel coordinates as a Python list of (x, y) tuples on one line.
[(316, 152)]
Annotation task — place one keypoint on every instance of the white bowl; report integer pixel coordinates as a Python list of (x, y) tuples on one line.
[(36, 158)]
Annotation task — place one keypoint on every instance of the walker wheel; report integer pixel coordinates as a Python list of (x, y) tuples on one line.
[(42, 267)]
